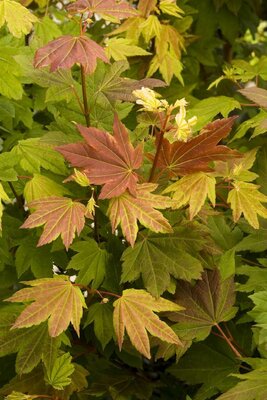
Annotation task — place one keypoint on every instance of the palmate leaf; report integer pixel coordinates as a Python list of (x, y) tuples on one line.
[(134, 312), (40, 187), (184, 158), (157, 258), (18, 18), (29, 343), (252, 387), (126, 210), (106, 8), (246, 199), (60, 215), (211, 364), (121, 48), (34, 155), (193, 189), (68, 50), (206, 304), (255, 94), (59, 375), (49, 298), (107, 82), (106, 159), (91, 261), (101, 315)]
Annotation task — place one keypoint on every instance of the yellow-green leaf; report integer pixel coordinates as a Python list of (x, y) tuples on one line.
[(18, 18), (120, 49), (193, 189), (40, 187), (246, 199)]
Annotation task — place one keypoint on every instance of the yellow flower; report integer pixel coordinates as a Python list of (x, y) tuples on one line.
[(183, 132), (91, 205), (81, 178), (150, 100)]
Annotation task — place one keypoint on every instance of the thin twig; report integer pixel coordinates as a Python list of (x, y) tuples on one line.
[(155, 161), (228, 341), (17, 197), (99, 292), (85, 100)]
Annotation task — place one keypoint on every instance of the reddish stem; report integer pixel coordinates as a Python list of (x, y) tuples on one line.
[(228, 341), (161, 134), (99, 292)]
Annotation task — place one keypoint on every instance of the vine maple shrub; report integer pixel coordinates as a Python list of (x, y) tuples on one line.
[(133, 188)]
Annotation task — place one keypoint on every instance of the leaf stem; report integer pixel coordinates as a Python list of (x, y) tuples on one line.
[(78, 98), (17, 197), (155, 161), (99, 292), (85, 100), (228, 341)]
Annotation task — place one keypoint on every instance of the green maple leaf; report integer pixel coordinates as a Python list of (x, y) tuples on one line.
[(49, 298), (32, 155), (10, 84), (211, 364), (18, 18), (30, 344), (20, 396), (246, 199), (3, 197), (156, 258), (31, 383), (134, 312), (207, 109), (121, 48), (40, 187), (252, 387), (59, 375), (39, 259), (206, 304), (100, 314), (91, 261), (193, 189)]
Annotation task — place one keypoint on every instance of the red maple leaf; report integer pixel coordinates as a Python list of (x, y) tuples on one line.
[(68, 50), (117, 9), (107, 160), (185, 158)]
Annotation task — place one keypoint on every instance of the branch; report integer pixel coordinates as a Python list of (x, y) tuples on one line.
[(85, 100), (155, 162)]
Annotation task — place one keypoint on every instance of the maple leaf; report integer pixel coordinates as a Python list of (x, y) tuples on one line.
[(106, 8), (206, 304), (245, 198), (157, 257), (134, 312), (252, 387), (18, 18), (184, 158), (59, 375), (109, 160), (61, 216), (107, 83), (121, 48), (50, 296), (258, 95), (193, 189), (68, 50), (127, 209)]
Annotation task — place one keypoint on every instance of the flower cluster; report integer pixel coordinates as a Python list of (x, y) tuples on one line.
[(151, 102)]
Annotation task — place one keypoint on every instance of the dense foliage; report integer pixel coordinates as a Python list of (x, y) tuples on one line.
[(133, 186)]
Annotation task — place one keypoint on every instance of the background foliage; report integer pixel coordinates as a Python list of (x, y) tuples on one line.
[(133, 226)]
